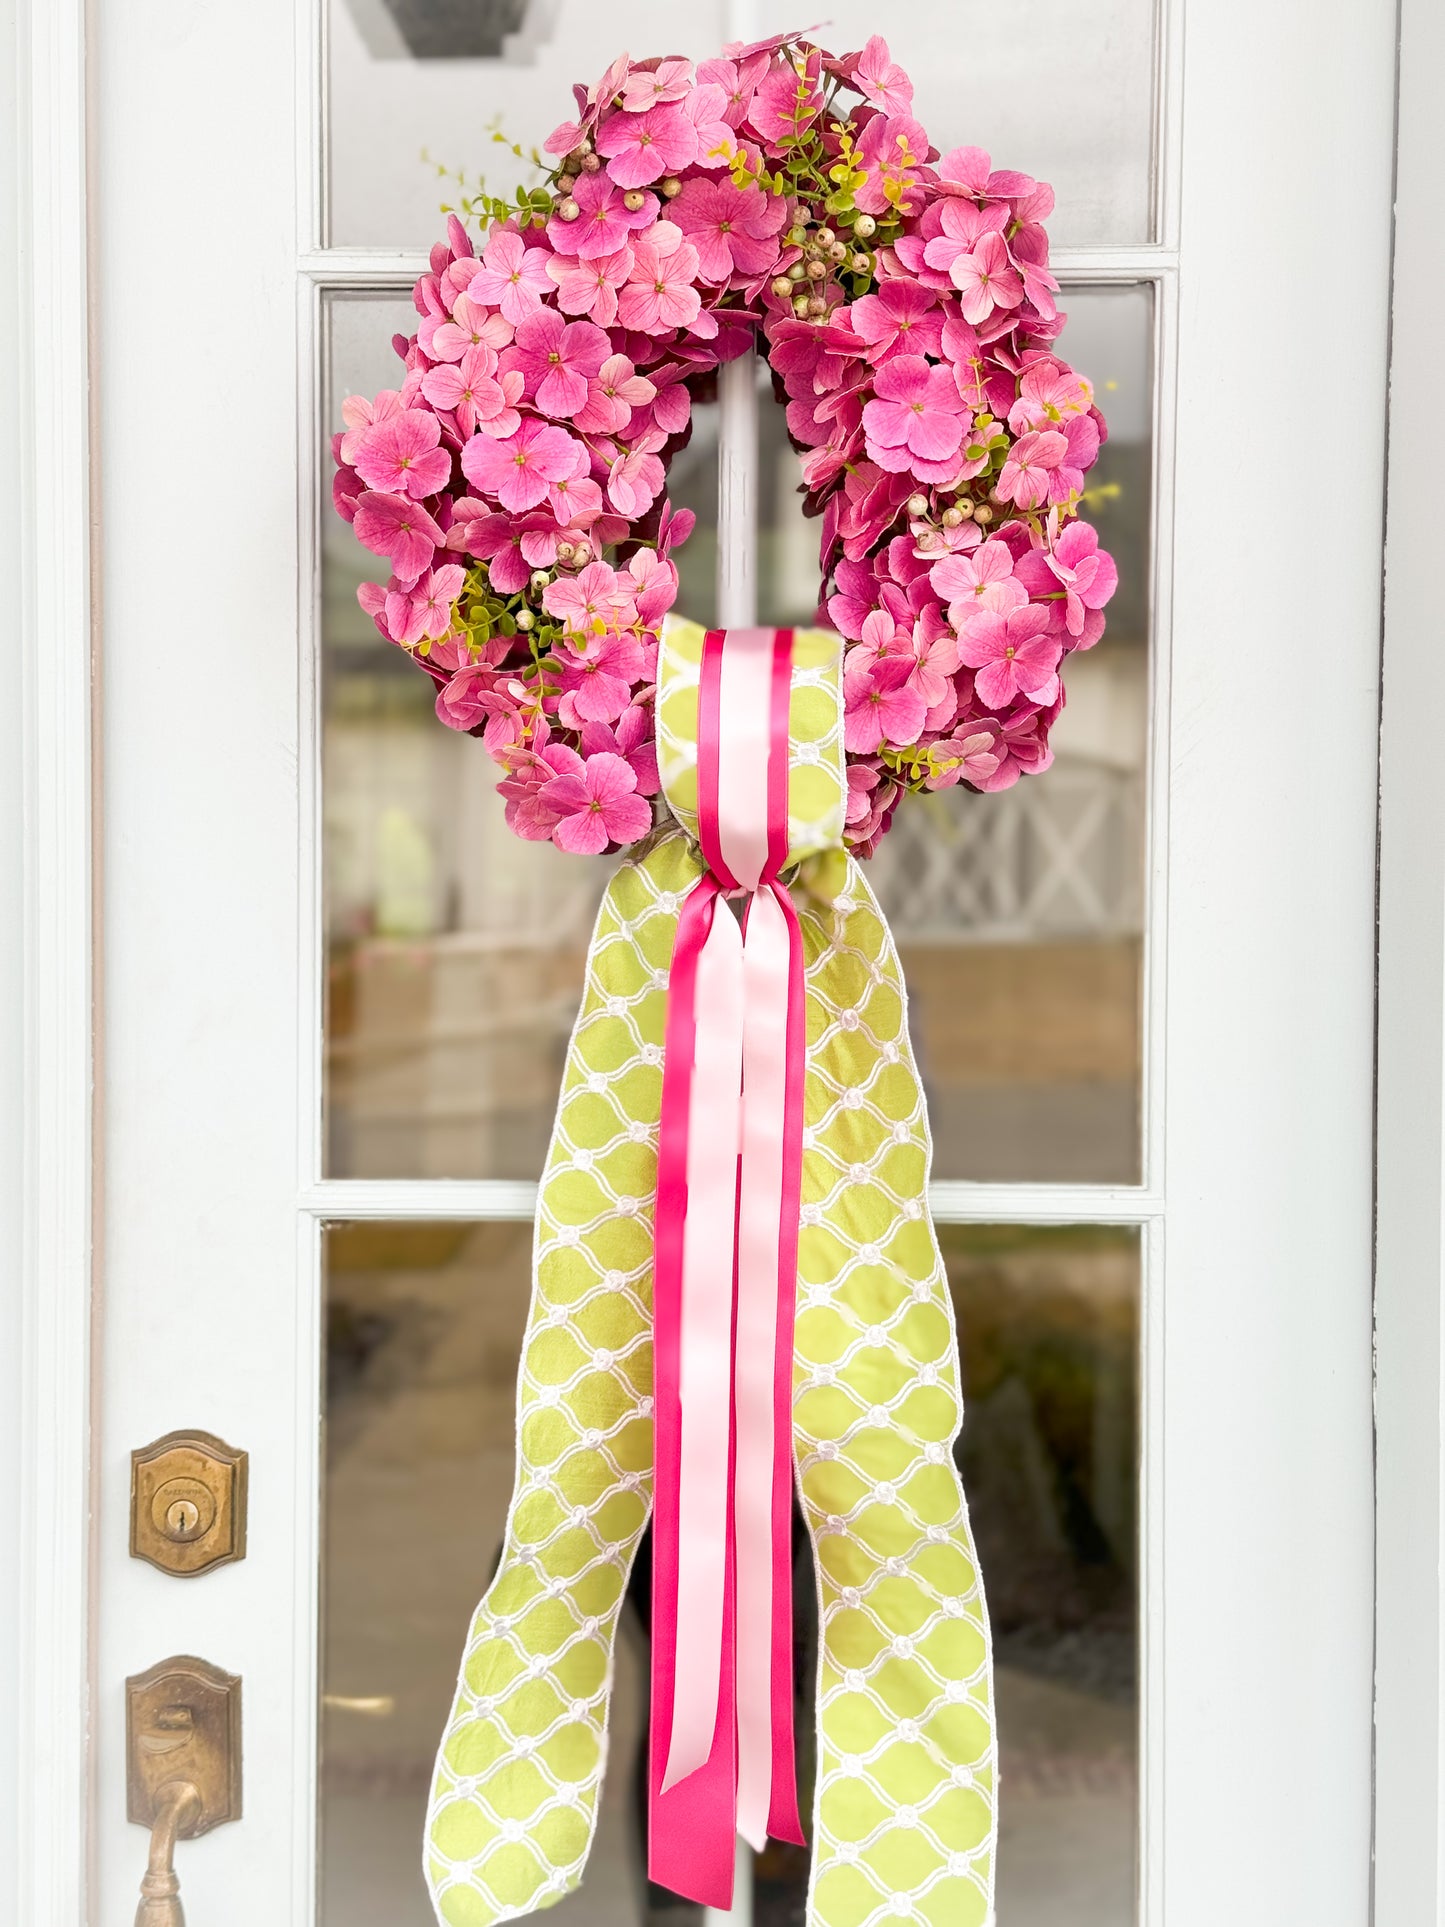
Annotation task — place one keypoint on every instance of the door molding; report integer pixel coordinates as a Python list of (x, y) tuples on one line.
[(51, 509), (1410, 1223)]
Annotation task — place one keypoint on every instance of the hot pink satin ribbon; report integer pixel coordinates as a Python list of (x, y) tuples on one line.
[(729, 1180)]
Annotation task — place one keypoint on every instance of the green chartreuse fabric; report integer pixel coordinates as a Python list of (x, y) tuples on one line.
[(904, 1802)]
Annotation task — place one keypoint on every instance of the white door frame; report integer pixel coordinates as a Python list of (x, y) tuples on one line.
[(47, 1126)]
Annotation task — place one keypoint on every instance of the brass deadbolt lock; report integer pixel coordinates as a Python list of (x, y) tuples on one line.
[(188, 1503)]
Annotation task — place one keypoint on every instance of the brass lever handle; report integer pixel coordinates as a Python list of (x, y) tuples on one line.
[(178, 1806)]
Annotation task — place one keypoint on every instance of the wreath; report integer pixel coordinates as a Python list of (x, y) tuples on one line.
[(515, 480)]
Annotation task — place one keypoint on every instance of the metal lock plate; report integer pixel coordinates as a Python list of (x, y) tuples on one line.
[(188, 1503), (183, 1723)]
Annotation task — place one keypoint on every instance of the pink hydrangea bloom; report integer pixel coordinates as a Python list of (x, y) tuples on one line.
[(649, 87), (1089, 577), (901, 319), (597, 674), (557, 358), (586, 600), (880, 80), (512, 277), (661, 291), (424, 609), (400, 455), (717, 140), (611, 397), (589, 287), (915, 412), (641, 148), (517, 471), (596, 804), (1012, 654), (631, 738), (732, 228), (400, 529), (471, 325), (604, 222), (1024, 477), (470, 390), (879, 704), (982, 579)]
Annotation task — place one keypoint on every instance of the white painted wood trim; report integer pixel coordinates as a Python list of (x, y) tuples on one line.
[(55, 642), (1410, 1247), (386, 268), (951, 1202)]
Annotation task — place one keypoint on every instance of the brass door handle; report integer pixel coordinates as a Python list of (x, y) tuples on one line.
[(178, 1806), (183, 1739)]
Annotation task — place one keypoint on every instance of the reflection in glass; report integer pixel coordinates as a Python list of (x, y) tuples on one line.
[(414, 78), (423, 1328), (416, 85), (980, 74)]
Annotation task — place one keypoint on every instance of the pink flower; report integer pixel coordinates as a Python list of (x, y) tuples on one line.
[(1012, 654), (669, 80), (399, 529), (581, 601), (597, 674), (892, 150), (641, 148), (597, 804), (968, 170), (734, 229), (880, 80), (631, 738), (468, 390), (717, 141), (611, 398), (660, 294), (787, 102), (879, 706), (901, 319), (1024, 478), (556, 358), (576, 501), (426, 608), (590, 287), (653, 584), (358, 413), (738, 80), (970, 756), (512, 276), (472, 326), (955, 228), (399, 454), (636, 476), (1049, 395), (914, 415), (986, 279), (604, 225), (1089, 578), (983, 580), (516, 471)]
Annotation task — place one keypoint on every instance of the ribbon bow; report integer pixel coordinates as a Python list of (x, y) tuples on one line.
[(726, 1230)]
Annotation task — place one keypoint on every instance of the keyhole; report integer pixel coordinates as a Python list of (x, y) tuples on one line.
[(183, 1518)]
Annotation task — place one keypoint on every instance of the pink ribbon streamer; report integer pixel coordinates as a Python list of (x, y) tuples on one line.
[(729, 1181)]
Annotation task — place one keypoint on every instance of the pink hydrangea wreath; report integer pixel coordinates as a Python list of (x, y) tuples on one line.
[(515, 480)]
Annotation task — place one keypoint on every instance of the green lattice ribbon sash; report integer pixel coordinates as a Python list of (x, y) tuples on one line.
[(903, 1811)]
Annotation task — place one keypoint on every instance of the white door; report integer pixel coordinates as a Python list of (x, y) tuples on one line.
[(335, 991)]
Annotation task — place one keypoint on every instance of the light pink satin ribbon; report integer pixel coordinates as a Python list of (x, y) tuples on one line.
[(726, 1233)]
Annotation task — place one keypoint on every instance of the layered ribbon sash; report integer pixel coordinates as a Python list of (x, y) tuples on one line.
[(704, 1322), (726, 1243)]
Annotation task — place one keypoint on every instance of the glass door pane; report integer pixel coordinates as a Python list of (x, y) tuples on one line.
[(423, 1329)]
